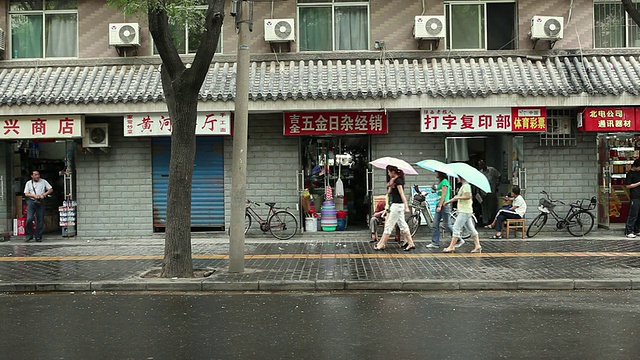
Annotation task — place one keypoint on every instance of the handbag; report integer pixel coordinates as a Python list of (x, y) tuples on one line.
[(35, 201)]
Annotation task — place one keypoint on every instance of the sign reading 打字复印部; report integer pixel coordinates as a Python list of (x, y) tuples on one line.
[(158, 124), (335, 122), (517, 119), (42, 127), (607, 119)]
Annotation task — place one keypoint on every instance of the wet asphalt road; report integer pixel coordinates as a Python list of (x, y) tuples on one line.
[(433, 325)]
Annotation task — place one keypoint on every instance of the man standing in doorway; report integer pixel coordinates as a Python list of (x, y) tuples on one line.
[(632, 227), (490, 200), (36, 190)]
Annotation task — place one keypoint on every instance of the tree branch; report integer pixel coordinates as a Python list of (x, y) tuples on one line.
[(159, 29), (630, 8), (212, 27)]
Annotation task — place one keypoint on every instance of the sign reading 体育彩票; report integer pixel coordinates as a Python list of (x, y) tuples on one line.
[(335, 122), (517, 119)]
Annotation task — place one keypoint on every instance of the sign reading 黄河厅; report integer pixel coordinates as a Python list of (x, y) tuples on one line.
[(529, 119), (42, 127), (158, 124), (335, 122), (608, 119)]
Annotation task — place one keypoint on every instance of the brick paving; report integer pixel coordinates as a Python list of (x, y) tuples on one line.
[(314, 259)]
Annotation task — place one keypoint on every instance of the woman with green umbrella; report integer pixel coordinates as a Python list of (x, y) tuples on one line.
[(465, 217)]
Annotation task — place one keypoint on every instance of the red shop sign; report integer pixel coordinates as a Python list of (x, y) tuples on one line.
[(608, 119), (335, 122)]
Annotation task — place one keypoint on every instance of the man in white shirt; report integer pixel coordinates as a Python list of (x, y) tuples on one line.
[(36, 190), (516, 211)]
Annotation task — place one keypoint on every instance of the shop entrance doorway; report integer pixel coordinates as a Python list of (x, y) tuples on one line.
[(55, 162), (335, 163)]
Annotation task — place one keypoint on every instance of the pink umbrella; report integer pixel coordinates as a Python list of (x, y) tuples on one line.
[(383, 162)]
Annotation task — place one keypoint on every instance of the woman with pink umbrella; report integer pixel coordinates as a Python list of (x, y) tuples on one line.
[(397, 209)]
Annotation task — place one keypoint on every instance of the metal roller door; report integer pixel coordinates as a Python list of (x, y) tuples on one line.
[(207, 197)]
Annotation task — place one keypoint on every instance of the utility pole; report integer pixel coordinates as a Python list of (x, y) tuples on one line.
[(243, 12)]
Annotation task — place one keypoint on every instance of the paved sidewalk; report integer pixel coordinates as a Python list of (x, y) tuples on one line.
[(334, 261)]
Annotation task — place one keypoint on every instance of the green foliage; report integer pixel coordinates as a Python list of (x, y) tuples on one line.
[(177, 10)]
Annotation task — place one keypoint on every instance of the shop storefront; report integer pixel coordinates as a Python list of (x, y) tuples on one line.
[(618, 147), (207, 197), (335, 150), (46, 144)]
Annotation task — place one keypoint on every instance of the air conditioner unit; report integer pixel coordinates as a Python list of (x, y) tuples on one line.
[(2, 41), (547, 27), (279, 30), (429, 27), (124, 34), (96, 136)]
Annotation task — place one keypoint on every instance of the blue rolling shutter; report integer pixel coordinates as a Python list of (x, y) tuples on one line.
[(207, 193)]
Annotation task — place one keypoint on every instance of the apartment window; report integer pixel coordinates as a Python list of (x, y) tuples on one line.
[(43, 28), (187, 33), (327, 25), (613, 27), (481, 25)]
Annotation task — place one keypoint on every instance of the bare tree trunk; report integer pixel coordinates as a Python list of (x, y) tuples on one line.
[(632, 11)]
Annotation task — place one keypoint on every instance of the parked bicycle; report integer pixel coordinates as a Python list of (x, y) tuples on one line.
[(281, 223), (578, 221), (420, 209)]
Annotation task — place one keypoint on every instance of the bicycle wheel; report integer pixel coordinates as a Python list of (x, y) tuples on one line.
[(536, 225), (580, 223), (414, 223), (283, 225), (247, 222)]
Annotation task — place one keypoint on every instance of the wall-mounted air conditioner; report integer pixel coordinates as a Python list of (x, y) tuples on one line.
[(547, 27), (124, 34), (2, 41), (96, 135), (279, 30), (430, 27)]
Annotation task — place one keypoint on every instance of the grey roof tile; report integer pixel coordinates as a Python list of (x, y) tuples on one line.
[(333, 79)]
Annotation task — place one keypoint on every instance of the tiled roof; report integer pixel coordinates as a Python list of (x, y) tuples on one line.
[(334, 79)]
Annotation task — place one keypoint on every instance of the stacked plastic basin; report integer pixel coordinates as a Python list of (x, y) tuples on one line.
[(329, 220), (342, 220)]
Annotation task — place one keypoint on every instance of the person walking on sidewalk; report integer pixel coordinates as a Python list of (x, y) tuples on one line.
[(632, 226), (36, 190), (465, 217), (516, 211), (443, 212), (397, 209)]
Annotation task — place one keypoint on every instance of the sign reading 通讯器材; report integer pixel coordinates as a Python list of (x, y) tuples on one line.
[(608, 119)]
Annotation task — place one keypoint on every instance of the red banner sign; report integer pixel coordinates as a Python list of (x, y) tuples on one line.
[(42, 127), (338, 122), (608, 119)]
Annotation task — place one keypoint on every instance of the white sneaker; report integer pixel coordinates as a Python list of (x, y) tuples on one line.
[(459, 243), (631, 235), (433, 246)]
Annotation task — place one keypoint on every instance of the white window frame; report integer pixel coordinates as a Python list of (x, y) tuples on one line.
[(447, 12), (186, 38), (333, 4), (44, 12), (627, 27)]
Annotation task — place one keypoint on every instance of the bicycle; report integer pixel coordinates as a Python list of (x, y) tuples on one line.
[(578, 221), (281, 223)]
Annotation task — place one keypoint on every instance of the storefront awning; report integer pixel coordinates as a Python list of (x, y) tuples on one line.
[(436, 78)]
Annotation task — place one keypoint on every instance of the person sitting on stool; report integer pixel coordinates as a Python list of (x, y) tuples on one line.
[(516, 211)]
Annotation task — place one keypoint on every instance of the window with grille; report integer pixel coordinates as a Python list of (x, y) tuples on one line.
[(613, 27), (560, 128)]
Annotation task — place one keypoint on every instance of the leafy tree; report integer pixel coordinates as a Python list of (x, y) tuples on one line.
[(630, 8), (181, 85)]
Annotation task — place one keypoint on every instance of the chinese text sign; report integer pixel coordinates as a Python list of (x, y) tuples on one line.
[(338, 122), (483, 120), (42, 127), (155, 124)]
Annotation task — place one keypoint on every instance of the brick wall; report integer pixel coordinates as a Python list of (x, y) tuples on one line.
[(114, 190), (272, 164)]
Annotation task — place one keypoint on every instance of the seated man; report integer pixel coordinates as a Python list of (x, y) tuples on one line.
[(376, 218), (516, 211)]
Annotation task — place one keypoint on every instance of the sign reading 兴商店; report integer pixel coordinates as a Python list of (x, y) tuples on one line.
[(529, 119), (335, 122), (158, 124), (42, 127)]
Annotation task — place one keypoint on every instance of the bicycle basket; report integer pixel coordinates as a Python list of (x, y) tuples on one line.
[(547, 204)]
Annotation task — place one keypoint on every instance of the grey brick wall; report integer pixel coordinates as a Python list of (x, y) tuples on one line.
[(272, 164), (114, 190), (7, 188)]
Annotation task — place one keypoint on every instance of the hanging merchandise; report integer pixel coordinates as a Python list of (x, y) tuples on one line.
[(339, 185)]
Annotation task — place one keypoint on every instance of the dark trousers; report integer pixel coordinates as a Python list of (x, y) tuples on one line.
[(35, 210), (504, 215), (633, 220)]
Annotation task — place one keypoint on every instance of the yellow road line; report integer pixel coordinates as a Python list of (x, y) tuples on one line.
[(323, 256)]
